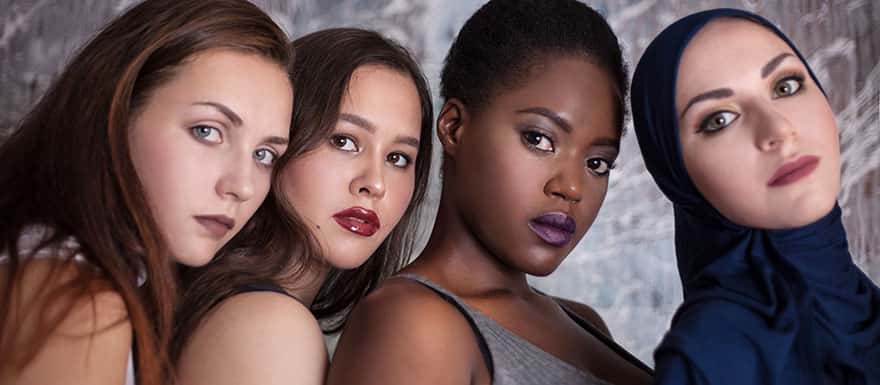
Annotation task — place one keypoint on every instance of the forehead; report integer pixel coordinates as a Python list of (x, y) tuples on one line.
[(385, 97), (726, 49)]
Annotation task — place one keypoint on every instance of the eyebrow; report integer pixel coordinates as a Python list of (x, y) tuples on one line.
[(557, 120), (367, 125), (610, 142), (773, 63), (714, 94), (358, 121), (277, 140), (231, 115)]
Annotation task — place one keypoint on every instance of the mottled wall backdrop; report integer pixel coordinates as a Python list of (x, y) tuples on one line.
[(625, 265)]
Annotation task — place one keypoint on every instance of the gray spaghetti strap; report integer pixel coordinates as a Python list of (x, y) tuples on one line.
[(512, 360)]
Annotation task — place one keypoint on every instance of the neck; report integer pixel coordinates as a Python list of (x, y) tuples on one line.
[(307, 284), (455, 256)]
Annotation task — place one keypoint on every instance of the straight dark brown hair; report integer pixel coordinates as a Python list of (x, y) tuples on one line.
[(67, 169), (276, 246)]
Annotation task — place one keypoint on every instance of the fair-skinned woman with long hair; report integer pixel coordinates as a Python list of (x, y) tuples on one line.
[(150, 148)]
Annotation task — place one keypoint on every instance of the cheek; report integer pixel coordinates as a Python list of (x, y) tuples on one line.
[(817, 126), (303, 184), (317, 185), (162, 175), (399, 196), (724, 172), (263, 181)]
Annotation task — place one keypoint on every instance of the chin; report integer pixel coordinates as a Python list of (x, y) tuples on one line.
[(194, 258), (806, 216), (540, 263), (350, 261), (807, 209)]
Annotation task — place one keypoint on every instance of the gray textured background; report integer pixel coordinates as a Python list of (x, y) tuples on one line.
[(624, 267)]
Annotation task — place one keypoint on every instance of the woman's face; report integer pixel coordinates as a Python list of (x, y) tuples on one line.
[(758, 137), (353, 189), (203, 145), (530, 169)]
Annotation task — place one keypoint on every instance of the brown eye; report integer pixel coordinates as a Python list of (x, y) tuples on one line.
[(788, 87), (599, 166), (538, 141), (398, 160), (343, 143)]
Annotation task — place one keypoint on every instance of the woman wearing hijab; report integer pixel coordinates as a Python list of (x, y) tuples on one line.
[(738, 134)]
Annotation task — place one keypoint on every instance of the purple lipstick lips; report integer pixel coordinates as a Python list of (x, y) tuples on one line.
[(554, 228)]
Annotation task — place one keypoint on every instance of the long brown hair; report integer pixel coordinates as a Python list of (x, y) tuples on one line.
[(276, 246), (67, 167)]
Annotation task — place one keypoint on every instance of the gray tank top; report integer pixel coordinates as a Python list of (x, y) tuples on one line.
[(510, 358)]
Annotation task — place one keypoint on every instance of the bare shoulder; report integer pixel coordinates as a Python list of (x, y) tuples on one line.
[(587, 313), (404, 332), (257, 337), (92, 339), (416, 310)]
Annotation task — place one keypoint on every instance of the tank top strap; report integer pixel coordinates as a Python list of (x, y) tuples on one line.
[(465, 311), (265, 286), (602, 337)]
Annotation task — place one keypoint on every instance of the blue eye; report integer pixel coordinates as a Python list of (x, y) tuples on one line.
[(788, 86), (265, 156), (538, 141), (207, 134), (717, 121), (398, 160), (344, 143), (599, 166)]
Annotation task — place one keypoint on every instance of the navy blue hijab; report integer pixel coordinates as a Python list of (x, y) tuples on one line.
[(760, 306)]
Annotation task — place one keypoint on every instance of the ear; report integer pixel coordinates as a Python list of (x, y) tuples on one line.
[(451, 121)]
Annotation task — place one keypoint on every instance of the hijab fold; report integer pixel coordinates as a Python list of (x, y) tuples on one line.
[(760, 306)]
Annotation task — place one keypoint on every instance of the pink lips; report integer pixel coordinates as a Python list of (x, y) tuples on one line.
[(554, 228), (217, 225), (793, 171), (358, 220)]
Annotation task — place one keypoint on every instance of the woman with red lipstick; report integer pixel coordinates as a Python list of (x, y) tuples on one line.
[(738, 133), (534, 106), (349, 190), (150, 148)]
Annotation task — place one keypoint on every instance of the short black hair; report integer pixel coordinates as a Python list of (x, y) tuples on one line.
[(500, 44)]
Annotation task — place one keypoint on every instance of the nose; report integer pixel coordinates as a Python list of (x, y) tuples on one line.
[(370, 180), (237, 180), (567, 182), (775, 131)]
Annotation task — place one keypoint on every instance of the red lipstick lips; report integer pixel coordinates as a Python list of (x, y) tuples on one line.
[(358, 220), (793, 171), (217, 225), (554, 228)]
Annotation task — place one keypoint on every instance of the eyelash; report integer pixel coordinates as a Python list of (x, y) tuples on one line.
[(529, 134), (402, 156), (271, 163), (194, 130), (799, 78), (345, 138), (610, 165)]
